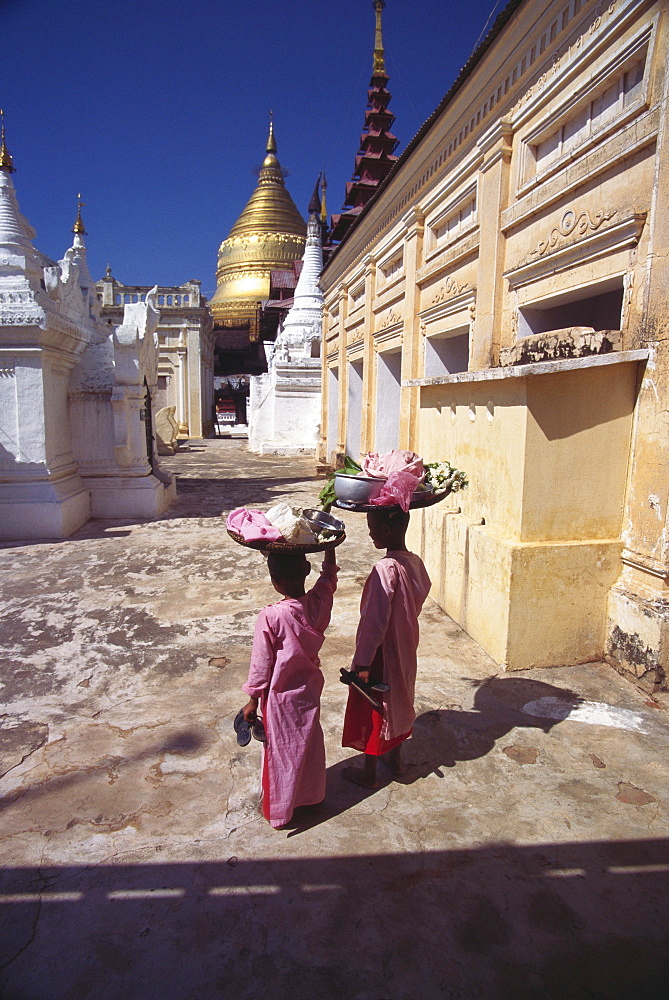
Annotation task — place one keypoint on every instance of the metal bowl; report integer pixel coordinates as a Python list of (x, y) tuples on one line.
[(356, 489), (318, 520)]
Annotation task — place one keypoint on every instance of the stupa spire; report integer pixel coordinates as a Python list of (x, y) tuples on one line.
[(271, 141), (376, 154), (315, 201), (379, 65), (5, 156), (324, 207), (17, 254), (302, 325), (77, 254), (78, 228)]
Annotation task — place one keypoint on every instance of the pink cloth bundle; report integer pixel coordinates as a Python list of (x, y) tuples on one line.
[(403, 470), (252, 525)]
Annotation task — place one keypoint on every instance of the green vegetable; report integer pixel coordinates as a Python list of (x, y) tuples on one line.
[(327, 494)]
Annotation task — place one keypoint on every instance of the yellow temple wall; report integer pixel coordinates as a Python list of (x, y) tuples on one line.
[(530, 213), (527, 564)]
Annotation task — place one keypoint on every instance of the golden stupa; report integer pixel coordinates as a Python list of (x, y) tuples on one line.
[(268, 236)]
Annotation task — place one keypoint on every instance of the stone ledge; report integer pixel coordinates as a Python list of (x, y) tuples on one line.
[(536, 368), (571, 342)]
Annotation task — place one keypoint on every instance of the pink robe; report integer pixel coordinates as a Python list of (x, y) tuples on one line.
[(285, 676), (391, 601)]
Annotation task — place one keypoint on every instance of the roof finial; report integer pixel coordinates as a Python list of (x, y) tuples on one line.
[(271, 141), (5, 156), (315, 201), (324, 209), (379, 61), (78, 228)]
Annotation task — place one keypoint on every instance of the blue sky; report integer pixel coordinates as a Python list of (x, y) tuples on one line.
[(157, 111)]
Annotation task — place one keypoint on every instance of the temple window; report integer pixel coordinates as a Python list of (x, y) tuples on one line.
[(458, 218), (358, 296), (354, 409), (599, 307), (614, 93), (119, 299), (333, 409), (392, 268), (169, 300), (161, 300), (447, 353), (388, 389), (186, 299)]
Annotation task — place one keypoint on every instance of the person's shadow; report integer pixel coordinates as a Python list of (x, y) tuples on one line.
[(444, 736)]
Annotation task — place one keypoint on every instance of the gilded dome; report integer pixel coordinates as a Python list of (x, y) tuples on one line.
[(268, 236)]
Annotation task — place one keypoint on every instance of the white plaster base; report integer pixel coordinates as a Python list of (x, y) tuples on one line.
[(54, 511), (637, 636), (117, 496)]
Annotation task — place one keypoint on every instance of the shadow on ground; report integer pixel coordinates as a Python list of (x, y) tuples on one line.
[(581, 921), (442, 737), (202, 497)]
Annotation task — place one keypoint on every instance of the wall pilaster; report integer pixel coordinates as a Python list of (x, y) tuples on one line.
[(493, 197)]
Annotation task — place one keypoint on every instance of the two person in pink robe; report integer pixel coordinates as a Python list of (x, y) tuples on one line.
[(285, 680), (386, 648)]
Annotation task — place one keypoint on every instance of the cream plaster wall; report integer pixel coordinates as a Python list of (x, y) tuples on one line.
[(570, 470)]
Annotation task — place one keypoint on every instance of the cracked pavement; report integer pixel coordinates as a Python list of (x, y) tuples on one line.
[(520, 855)]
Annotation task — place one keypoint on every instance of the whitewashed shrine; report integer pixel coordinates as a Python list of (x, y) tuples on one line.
[(285, 403), (75, 393)]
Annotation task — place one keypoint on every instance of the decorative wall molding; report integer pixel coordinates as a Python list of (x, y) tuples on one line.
[(355, 337), (392, 319), (572, 227), (465, 302), (449, 289), (579, 238), (19, 318)]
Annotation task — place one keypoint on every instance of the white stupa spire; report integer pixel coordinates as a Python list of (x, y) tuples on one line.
[(78, 253), (17, 254), (303, 322)]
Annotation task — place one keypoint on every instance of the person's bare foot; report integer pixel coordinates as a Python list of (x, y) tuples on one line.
[(358, 776)]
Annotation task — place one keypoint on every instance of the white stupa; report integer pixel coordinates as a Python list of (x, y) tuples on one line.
[(285, 404)]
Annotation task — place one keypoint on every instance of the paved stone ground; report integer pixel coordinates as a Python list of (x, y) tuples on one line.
[(524, 856)]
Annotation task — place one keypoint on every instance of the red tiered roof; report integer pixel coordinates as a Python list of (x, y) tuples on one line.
[(374, 159)]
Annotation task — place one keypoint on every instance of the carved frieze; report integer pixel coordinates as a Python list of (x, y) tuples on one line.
[(571, 228), (391, 319), (449, 289)]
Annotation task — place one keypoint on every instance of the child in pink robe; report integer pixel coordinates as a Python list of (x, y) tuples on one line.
[(385, 650), (286, 680)]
